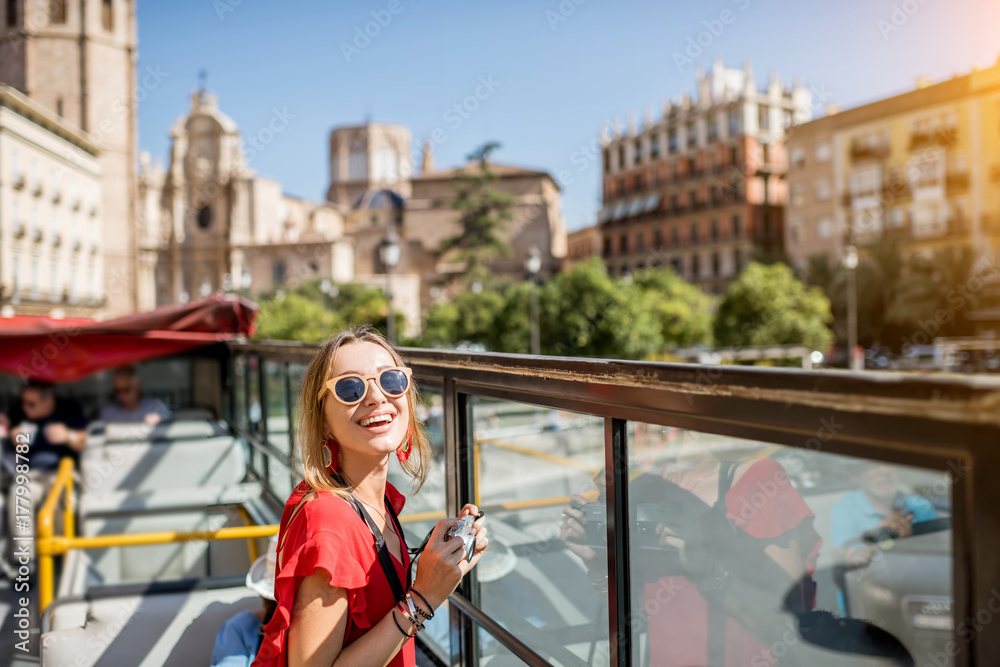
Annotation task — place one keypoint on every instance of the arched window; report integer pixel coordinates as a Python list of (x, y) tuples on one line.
[(204, 217), (12, 13), (57, 12)]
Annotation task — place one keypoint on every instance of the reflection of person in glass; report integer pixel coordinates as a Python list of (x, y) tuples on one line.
[(878, 505), (682, 565)]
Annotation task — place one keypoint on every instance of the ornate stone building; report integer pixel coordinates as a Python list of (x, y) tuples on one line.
[(77, 60), (214, 225)]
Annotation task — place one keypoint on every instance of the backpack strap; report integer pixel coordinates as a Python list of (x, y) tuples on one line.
[(384, 557)]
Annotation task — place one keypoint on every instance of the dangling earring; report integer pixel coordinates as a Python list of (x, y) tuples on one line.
[(403, 453), (331, 454)]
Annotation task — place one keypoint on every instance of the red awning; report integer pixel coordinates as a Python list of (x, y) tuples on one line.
[(67, 350)]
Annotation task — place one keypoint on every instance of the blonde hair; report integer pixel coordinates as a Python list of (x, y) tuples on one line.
[(311, 431)]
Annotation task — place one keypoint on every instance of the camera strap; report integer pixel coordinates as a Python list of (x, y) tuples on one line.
[(384, 557)]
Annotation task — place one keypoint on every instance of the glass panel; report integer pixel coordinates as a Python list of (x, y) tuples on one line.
[(255, 414), (495, 654), (425, 508), (277, 406), (802, 538), (240, 391), (551, 593)]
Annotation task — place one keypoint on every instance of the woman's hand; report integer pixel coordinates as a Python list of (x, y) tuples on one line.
[(573, 529), (442, 563)]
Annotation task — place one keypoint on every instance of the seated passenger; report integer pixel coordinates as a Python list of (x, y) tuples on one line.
[(239, 638), (52, 430), (879, 503), (129, 404)]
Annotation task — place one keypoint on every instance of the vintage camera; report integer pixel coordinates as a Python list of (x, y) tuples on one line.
[(464, 531)]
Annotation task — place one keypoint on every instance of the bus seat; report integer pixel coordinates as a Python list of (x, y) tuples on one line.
[(162, 464), (103, 433), (168, 629), (127, 501)]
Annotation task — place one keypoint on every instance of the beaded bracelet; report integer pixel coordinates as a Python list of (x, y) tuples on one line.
[(419, 610)]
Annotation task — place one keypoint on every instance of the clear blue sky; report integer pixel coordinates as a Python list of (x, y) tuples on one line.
[(557, 80)]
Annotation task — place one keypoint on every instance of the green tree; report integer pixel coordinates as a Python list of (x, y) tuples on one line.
[(484, 211), (929, 288), (683, 311), (586, 313), (768, 305), (295, 317), (470, 317)]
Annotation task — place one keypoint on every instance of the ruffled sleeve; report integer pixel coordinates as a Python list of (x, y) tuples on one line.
[(326, 536)]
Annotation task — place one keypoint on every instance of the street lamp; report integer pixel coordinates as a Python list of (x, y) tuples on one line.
[(851, 264), (389, 250), (533, 265)]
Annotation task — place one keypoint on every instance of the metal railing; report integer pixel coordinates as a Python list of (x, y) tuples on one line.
[(935, 423)]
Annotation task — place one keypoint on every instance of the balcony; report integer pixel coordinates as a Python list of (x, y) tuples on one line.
[(18, 229), (36, 234), (943, 138), (56, 239), (864, 151), (17, 181), (954, 183)]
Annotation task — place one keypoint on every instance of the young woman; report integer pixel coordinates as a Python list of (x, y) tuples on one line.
[(336, 604)]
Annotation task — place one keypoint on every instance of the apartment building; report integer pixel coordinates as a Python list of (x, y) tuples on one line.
[(51, 250), (921, 169), (702, 189)]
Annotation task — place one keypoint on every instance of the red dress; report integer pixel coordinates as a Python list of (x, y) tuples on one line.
[(328, 533), (762, 503)]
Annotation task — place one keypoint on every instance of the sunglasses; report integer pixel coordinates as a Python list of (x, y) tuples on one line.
[(352, 388)]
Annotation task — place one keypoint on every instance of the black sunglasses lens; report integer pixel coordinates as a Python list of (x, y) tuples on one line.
[(393, 382), (350, 389)]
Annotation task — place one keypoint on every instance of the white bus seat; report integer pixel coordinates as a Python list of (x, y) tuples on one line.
[(150, 465), (153, 630), (159, 562), (105, 433), (126, 501)]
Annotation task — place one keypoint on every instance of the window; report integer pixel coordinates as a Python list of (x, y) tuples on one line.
[(734, 155), (795, 230), (674, 204), (654, 148), (385, 165), (12, 13), (108, 15), (278, 273), (822, 189), (713, 129), (716, 265), (33, 176), (607, 161), (694, 232), (15, 166), (672, 140), (674, 236), (736, 226), (638, 151), (677, 265), (15, 267), (692, 166), (822, 151), (825, 228), (657, 239), (54, 284), (607, 247), (734, 123), (737, 260), (796, 194), (695, 267), (621, 156), (763, 118), (639, 242), (797, 156), (57, 12), (786, 118), (692, 135), (204, 217)]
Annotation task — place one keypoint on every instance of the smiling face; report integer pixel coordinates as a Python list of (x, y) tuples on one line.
[(386, 417)]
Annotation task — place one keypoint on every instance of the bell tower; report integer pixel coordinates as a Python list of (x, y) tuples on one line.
[(78, 58)]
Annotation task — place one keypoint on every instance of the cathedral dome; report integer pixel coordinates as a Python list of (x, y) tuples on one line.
[(381, 200)]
